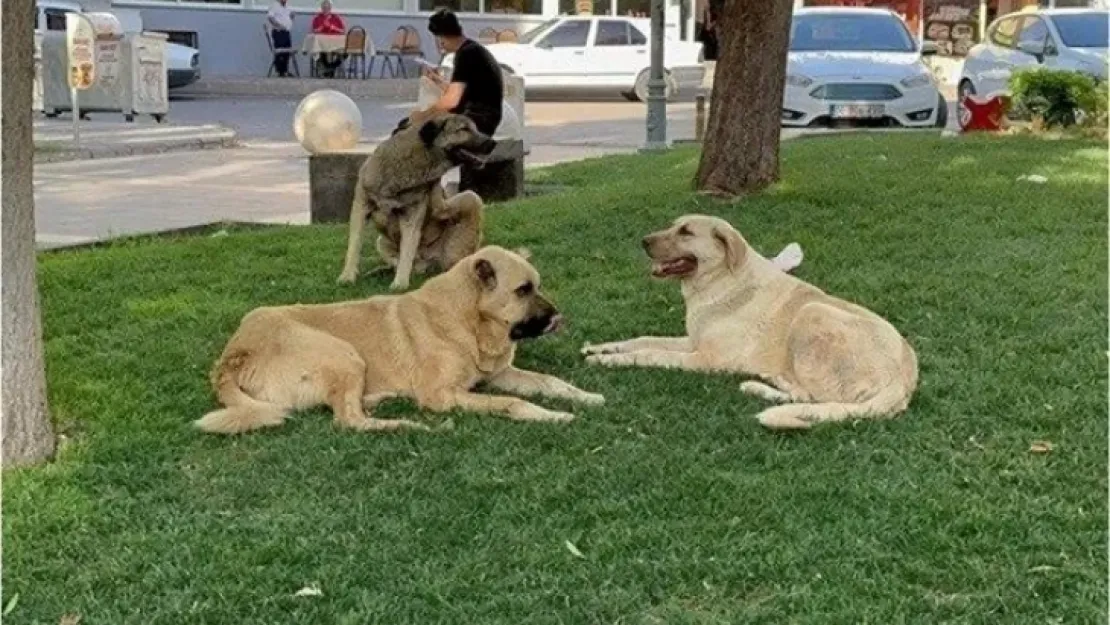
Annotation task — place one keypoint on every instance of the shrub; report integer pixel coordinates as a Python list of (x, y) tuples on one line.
[(1057, 97)]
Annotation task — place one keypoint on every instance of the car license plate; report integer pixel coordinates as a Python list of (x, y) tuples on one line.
[(857, 111)]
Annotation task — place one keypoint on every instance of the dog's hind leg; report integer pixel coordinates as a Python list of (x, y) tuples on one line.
[(359, 209), (464, 236)]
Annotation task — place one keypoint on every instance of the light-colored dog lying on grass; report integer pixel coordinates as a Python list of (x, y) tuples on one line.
[(832, 359), (433, 345)]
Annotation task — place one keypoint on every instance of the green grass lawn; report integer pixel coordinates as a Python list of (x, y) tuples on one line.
[(683, 509)]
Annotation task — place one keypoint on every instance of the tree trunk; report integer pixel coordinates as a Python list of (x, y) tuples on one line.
[(740, 154), (25, 427)]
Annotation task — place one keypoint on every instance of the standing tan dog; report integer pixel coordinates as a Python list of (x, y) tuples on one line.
[(433, 345), (399, 189), (835, 359)]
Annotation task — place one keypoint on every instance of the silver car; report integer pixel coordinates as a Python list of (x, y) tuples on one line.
[(1066, 39)]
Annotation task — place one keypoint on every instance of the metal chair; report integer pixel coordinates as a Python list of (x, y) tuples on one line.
[(276, 51), (355, 49), (487, 35)]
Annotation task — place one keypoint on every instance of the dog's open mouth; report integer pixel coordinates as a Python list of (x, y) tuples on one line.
[(681, 266), (536, 327)]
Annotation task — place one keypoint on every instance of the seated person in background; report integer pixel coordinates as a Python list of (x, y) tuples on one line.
[(476, 88), (327, 23), (280, 19)]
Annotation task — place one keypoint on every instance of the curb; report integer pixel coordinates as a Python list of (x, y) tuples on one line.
[(404, 89), (93, 151)]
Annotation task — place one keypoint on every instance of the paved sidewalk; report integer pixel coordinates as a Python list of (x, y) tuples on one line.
[(109, 139), (263, 182)]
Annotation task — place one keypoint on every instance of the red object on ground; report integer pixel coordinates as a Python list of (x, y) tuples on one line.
[(983, 113)]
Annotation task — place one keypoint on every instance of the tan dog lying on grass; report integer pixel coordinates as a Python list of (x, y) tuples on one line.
[(835, 360), (433, 345)]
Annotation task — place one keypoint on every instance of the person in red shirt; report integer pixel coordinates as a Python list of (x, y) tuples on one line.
[(327, 23)]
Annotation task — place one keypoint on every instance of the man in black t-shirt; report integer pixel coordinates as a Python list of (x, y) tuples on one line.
[(476, 88)]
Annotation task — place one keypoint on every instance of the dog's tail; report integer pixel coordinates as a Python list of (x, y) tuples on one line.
[(241, 412), (891, 400)]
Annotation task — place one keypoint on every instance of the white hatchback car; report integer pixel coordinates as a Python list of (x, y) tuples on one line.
[(1067, 39), (858, 65), (606, 53)]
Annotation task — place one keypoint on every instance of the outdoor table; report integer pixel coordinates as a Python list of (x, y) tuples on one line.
[(314, 45)]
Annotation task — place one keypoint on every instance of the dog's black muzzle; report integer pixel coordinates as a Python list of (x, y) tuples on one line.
[(544, 320), (474, 153)]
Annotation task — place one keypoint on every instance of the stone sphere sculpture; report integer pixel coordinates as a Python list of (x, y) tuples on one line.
[(327, 121)]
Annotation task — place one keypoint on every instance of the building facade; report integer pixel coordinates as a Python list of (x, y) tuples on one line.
[(230, 37)]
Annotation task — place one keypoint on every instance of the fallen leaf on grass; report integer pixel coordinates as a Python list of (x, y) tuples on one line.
[(1041, 447), (1044, 568), (70, 619), (309, 591), (573, 550), (1034, 178), (10, 605)]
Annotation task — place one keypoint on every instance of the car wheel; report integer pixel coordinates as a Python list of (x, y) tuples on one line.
[(641, 88), (942, 112), (965, 89)]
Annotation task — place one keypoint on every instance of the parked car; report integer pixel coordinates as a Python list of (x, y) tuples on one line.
[(607, 53), (1066, 39), (182, 62), (858, 65)]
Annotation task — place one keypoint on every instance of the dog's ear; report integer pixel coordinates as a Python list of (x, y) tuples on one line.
[(484, 272), (429, 131), (735, 249)]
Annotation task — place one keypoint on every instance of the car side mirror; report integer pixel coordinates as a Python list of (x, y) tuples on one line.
[(1033, 49), (929, 48), (544, 44)]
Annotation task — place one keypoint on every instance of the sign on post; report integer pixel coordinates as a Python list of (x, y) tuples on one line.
[(81, 67)]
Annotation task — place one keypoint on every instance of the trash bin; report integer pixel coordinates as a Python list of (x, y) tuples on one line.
[(130, 78)]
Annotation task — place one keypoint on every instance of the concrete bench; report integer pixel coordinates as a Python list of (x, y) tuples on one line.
[(332, 177)]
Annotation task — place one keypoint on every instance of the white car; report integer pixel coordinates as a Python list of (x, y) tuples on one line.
[(858, 65), (1066, 39), (609, 53), (182, 62)]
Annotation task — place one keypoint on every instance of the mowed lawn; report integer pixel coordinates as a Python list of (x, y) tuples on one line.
[(677, 507)]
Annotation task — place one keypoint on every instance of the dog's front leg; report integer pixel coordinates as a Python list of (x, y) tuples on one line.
[(512, 407), (359, 209), (513, 380), (651, 358), (411, 225), (662, 343)]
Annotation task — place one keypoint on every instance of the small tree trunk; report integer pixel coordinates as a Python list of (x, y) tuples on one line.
[(28, 436), (740, 154)]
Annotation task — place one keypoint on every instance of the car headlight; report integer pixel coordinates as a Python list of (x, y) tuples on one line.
[(919, 80), (797, 80)]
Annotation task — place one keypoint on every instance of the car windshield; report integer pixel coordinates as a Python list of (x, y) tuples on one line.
[(849, 33), (1083, 30), (535, 33)]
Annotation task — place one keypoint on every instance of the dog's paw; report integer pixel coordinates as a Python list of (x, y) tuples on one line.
[(347, 277), (554, 416), (603, 348), (398, 285), (592, 399)]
